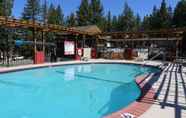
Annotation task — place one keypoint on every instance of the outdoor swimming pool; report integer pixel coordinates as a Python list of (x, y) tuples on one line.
[(69, 91)]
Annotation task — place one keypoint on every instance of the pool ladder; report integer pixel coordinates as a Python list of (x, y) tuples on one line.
[(152, 58)]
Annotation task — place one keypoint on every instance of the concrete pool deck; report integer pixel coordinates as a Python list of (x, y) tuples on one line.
[(169, 90), (170, 94)]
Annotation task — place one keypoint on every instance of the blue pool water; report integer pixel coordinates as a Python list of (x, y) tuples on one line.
[(70, 91)]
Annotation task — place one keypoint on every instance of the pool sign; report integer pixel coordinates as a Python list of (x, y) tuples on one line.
[(69, 48)]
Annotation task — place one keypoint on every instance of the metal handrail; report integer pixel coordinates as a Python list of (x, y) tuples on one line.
[(153, 58)]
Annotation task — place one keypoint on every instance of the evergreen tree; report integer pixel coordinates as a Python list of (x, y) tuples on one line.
[(109, 22), (170, 16), (103, 24), (164, 16), (6, 7), (137, 23), (154, 19), (83, 13), (96, 12), (71, 20), (120, 24), (55, 15), (32, 10), (146, 23), (1, 7), (60, 16), (179, 18), (6, 35), (127, 19), (51, 14), (44, 12), (160, 18), (114, 23)]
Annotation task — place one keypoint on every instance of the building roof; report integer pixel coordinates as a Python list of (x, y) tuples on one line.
[(90, 29)]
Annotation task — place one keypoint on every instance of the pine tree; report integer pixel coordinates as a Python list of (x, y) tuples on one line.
[(146, 23), (154, 19), (160, 18), (71, 20), (96, 14), (6, 35), (120, 24), (127, 19), (60, 16), (109, 22), (32, 10), (137, 23), (164, 16), (1, 7), (114, 23), (103, 24), (6, 7), (83, 13), (55, 15), (179, 18), (51, 14), (170, 17), (44, 12)]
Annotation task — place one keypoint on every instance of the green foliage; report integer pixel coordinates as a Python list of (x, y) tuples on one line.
[(6, 35), (32, 10), (83, 13), (109, 22), (146, 23), (159, 19), (164, 16), (137, 23), (55, 15), (1, 7), (127, 19), (179, 19), (96, 12), (60, 15), (114, 23), (71, 20), (154, 19), (91, 13), (44, 12), (6, 7)]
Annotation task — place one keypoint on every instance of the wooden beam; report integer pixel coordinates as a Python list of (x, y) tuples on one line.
[(15, 23)]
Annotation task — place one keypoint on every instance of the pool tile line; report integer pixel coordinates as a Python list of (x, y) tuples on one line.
[(32, 66), (140, 106)]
